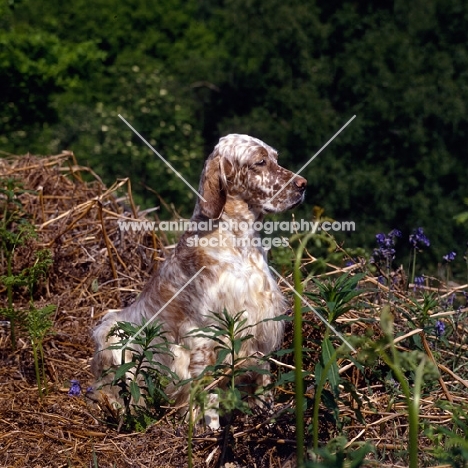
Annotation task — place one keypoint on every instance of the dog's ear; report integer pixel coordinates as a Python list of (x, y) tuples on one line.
[(212, 188)]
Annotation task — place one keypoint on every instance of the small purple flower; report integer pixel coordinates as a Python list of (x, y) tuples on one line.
[(418, 282), (381, 238), (394, 233), (75, 389), (450, 257), (447, 303), (386, 245), (418, 238), (439, 328), (394, 385)]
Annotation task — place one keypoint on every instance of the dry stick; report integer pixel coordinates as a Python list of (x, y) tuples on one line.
[(115, 186), (69, 227), (53, 160), (130, 197), (41, 200), (74, 172), (87, 204), (452, 374), (119, 258), (107, 241), (224, 447), (77, 169), (431, 357), (355, 438), (83, 281), (118, 215), (155, 239)]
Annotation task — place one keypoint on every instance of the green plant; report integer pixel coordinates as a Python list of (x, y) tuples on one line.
[(297, 350), (39, 325), (419, 312), (338, 454), (141, 376), (451, 443), (333, 299), (15, 230), (229, 333), (416, 363)]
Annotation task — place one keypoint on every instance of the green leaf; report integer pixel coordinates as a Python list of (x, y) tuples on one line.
[(328, 354), (122, 370), (135, 391), (148, 355)]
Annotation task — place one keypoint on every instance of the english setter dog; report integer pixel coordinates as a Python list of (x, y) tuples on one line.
[(237, 184)]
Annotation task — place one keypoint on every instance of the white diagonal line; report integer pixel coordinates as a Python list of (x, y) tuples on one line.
[(313, 309), (312, 158), (163, 307), (164, 160)]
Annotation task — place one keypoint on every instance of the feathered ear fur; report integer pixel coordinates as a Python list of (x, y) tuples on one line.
[(212, 188)]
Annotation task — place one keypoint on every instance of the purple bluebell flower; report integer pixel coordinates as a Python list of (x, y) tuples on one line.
[(386, 245), (439, 328), (418, 239), (418, 281), (75, 389), (447, 303), (381, 238), (394, 233), (450, 257), (394, 385)]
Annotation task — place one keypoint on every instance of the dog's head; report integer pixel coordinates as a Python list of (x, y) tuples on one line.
[(245, 168)]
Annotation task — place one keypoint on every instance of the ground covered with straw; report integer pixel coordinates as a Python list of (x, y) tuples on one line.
[(96, 268)]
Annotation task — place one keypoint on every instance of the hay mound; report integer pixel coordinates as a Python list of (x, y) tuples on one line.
[(96, 267)]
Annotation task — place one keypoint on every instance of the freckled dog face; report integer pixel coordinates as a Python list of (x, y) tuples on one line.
[(269, 187), (244, 167)]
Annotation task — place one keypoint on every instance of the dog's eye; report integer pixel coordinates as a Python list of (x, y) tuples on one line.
[(262, 162)]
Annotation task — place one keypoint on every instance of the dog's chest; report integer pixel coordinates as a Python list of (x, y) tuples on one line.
[(243, 282)]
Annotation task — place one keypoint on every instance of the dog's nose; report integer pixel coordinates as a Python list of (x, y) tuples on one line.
[(300, 182)]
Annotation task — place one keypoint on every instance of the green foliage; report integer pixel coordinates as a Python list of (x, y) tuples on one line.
[(419, 312), (333, 299), (399, 68), (142, 379), (462, 217), (287, 72), (416, 362), (337, 454), (39, 324), (35, 65), (147, 100), (228, 332), (16, 231), (451, 443)]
